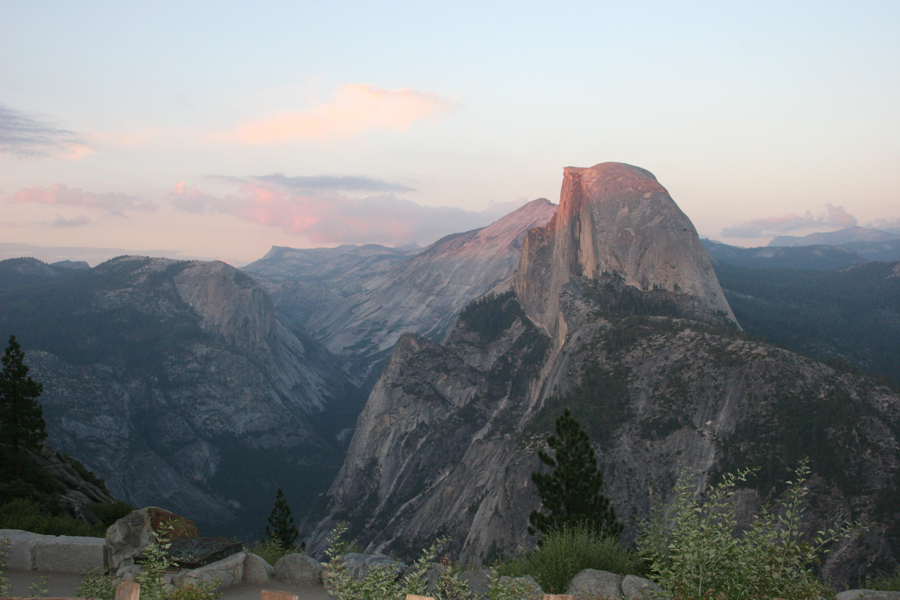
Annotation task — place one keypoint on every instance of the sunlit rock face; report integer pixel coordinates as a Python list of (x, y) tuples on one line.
[(616, 219), (616, 314)]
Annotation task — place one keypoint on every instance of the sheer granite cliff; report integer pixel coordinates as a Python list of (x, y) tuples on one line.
[(636, 338), (177, 384)]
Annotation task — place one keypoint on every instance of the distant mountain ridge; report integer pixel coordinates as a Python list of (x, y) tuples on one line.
[(836, 238), (358, 301)]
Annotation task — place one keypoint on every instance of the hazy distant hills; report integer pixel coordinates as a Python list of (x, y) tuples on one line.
[(19, 272), (841, 237)]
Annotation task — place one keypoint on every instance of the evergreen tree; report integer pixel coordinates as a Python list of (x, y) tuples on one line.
[(281, 526), (21, 416), (570, 494)]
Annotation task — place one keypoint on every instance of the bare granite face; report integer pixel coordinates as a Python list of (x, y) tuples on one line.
[(616, 219), (615, 313)]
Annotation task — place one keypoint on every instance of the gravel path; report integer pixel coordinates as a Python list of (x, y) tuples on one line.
[(62, 585)]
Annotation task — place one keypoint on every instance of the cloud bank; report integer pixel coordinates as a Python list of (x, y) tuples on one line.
[(355, 108), (60, 194), (27, 137), (314, 208), (889, 225), (834, 216)]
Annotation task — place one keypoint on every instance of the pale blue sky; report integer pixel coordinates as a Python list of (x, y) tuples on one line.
[(747, 113)]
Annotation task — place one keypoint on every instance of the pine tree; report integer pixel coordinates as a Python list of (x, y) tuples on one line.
[(281, 526), (21, 416), (570, 494)]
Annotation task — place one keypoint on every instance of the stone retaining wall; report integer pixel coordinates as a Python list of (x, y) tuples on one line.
[(52, 553)]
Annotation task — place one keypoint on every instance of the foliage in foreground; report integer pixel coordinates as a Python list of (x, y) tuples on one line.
[(884, 581), (565, 552), (96, 584), (694, 554), (381, 583)]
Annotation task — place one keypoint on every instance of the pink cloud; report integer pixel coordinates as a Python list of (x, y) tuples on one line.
[(355, 108), (834, 216), (329, 217), (60, 194)]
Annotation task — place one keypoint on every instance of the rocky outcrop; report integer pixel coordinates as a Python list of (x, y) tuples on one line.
[(448, 438), (79, 493), (126, 539), (616, 219)]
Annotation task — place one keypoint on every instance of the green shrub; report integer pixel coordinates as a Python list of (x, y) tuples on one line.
[(26, 515), (694, 553), (199, 590), (381, 583), (110, 513), (565, 552), (270, 550), (96, 584), (884, 581)]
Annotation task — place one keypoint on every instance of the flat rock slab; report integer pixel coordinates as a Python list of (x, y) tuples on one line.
[(195, 552)]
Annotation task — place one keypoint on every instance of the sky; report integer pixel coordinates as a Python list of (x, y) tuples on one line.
[(217, 130)]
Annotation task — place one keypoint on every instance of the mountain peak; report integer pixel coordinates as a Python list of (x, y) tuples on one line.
[(615, 218)]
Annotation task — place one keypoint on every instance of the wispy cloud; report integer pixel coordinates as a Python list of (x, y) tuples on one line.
[(889, 225), (60, 194), (76, 222), (326, 183), (833, 217), (325, 216), (355, 108), (27, 137)]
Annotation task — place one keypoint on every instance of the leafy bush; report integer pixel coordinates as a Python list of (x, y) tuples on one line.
[(694, 553), (96, 584), (381, 583), (199, 590), (110, 513), (565, 552), (884, 581), (270, 550), (26, 515)]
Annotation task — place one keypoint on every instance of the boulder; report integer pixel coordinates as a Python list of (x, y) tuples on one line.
[(194, 552), (358, 565), (640, 588), (867, 595), (127, 537), (479, 582), (257, 570), (594, 583), (228, 571), (298, 568)]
